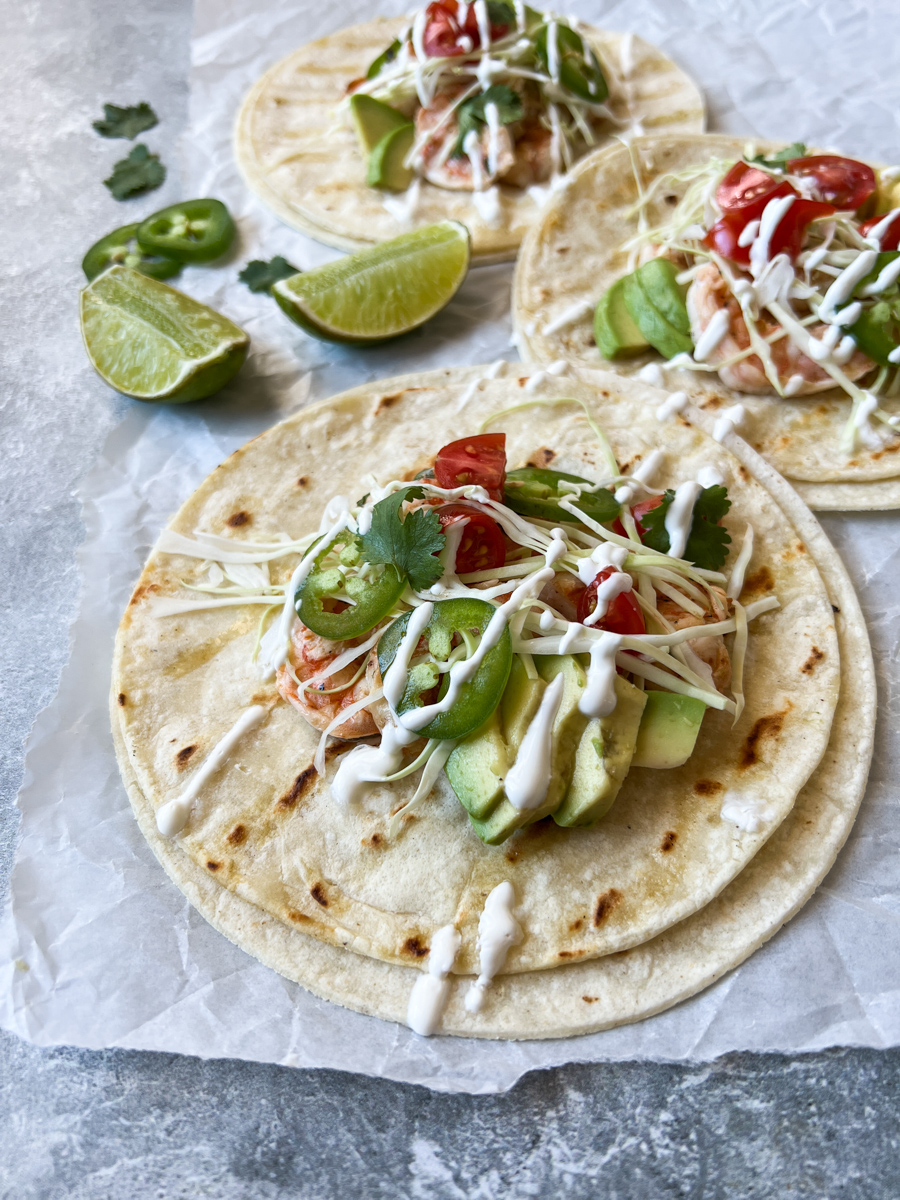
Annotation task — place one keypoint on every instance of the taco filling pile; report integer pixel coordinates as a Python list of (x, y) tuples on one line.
[(776, 273), (473, 94)]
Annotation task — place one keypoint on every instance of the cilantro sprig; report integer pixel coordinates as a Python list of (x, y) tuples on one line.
[(707, 545), (259, 275), (126, 122), (410, 543), (140, 172), (779, 160), (471, 113)]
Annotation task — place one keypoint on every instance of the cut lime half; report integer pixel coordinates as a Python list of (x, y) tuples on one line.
[(383, 292), (154, 343)]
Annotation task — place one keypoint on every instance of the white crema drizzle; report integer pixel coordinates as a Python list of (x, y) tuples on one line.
[(498, 932), (431, 992)]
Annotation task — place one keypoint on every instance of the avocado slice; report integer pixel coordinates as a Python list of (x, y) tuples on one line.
[(568, 726), (660, 333), (603, 758), (387, 162), (519, 704), (372, 119), (615, 332), (668, 731), (477, 767), (659, 279)]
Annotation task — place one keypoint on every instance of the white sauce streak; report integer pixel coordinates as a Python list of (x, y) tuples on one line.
[(472, 149), (652, 373), (730, 420), (676, 403), (843, 287), (599, 696), (498, 932), (749, 813), (679, 516), (772, 217), (172, 816), (718, 328), (709, 476), (608, 591), (431, 992), (568, 317), (528, 778)]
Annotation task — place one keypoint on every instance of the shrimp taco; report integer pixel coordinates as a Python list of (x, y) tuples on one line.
[(405, 713), (466, 111), (759, 280)]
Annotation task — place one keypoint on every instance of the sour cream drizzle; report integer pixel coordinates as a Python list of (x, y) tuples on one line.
[(568, 317), (528, 778), (679, 516), (718, 328), (607, 591), (773, 214), (676, 403), (652, 373), (843, 287), (730, 420), (599, 696), (498, 932), (172, 816), (749, 813), (431, 992)]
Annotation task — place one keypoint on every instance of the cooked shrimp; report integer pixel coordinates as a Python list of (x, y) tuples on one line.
[(311, 655), (562, 593), (441, 167), (710, 294), (532, 155), (711, 650)]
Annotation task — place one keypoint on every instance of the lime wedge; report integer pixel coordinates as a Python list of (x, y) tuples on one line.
[(149, 341), (382, 292)]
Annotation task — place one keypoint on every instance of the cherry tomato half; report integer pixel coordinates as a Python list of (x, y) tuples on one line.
[(843, 182), (637, 512), (482, 546), (480, 459), (443, 30), (890, 239), (746, 187), (623, 614), (725, 236)]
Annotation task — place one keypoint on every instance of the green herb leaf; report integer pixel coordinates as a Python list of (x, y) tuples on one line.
[(410, 543), (500, 12), (140, 172), (470, 113), (707, 546), (259, 275), (778, 161), (126, 122)]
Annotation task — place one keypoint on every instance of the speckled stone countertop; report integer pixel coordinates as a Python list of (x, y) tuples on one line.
[(86, 1125)]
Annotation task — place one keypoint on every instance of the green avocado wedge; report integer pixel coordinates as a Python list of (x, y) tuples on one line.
[(372, 119), (660, 333), (387, 161), (615, 332), (668, 731)]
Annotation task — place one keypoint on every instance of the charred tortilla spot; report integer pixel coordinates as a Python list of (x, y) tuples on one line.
[(123, 699), (182, 757), (761, 580), (835, 609), (766, 727), (387, 402), (542, 458), (213, 866), (570, 953), (238, 835), (296, 790), (713, 402), (590, 999), (668, 842), (414, 948), (375, 840), (144, 589), (708, 787), (744, 473), (317, 891), (576, 925), (512, 854), (303, 481), (299, 917), (671, 199), (815, 657), (237, 519), (606, 905)]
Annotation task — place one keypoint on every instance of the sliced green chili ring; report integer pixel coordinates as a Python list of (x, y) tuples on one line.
[(534, 492), (579, 68), (877, 331), (193, 231), (323, 601), (383, 59), (121, 247), (480, 696)]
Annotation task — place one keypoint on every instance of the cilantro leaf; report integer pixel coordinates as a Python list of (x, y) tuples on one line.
[(470, 113), (140, 172), (500, 12), (259, 275), (779, 160), (126, 122), (707, 545), (410, 543)]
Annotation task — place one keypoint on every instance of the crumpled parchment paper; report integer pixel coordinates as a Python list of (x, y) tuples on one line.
[(97, 947)]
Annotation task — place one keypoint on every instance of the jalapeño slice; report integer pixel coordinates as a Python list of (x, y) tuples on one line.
[(383, 59), (453, 621), (534, 492), (193, 231), (579, 69), (121, 247), (336, 605)]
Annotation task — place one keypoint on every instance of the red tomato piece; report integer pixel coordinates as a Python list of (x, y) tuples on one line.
[(746, 187), (843, 182), (890, 239), (637, 512), (623, 614), (482, 546), (787, 238), (473, 460), (443, 31)]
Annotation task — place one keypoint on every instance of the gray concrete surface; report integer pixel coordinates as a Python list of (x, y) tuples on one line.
[(95, 1125)]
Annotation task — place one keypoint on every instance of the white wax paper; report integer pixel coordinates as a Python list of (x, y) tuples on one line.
[(97, 947)]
